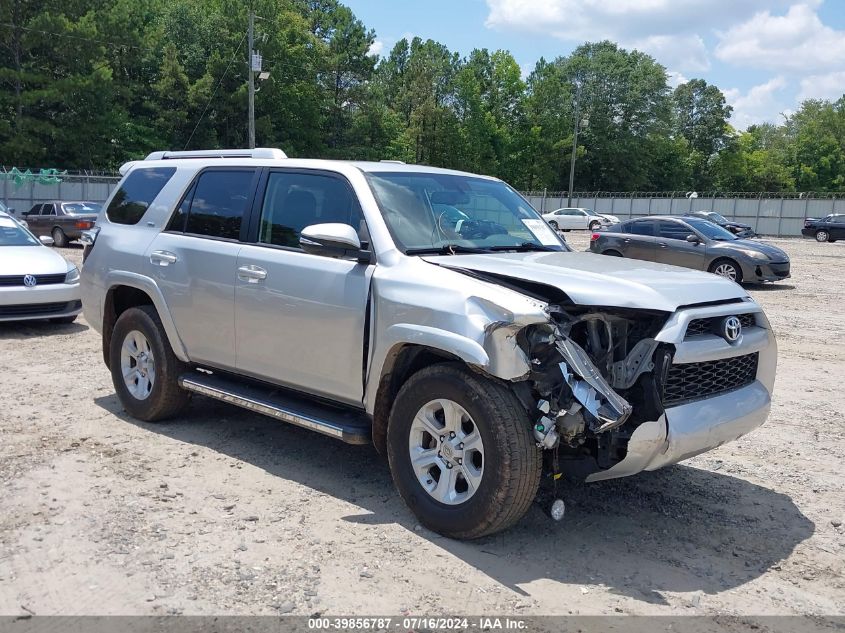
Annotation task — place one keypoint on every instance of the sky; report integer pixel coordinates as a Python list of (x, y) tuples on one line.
[(765, 55)]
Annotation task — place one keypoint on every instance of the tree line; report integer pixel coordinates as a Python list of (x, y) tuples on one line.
[(89, 85)]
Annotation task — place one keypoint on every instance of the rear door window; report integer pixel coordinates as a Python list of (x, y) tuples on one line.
[(645, 227), (218, 202), (137, 193)]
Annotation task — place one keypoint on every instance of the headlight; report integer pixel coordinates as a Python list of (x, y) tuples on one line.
[(757, 256), (72, 276)]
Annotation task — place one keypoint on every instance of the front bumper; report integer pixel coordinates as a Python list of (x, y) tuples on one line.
[(769, 271), (692, 428), (41, 302)]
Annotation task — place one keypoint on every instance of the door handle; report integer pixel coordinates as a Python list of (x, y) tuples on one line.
[(662, 245), (251, 274), (163, 258), (627, 240)]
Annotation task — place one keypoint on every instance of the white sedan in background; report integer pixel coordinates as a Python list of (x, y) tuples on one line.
[(35, 281), (570, 218)]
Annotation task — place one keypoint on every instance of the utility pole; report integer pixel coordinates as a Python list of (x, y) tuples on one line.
[(574, 140), (250, 44)]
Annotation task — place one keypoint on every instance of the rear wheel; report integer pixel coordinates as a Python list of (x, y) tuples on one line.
[(613, 253), (728, 269), (822, 235), (461, 452), (144, 369), (59, 238)]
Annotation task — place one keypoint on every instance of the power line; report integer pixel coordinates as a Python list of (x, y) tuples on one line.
[(81, 39), (214, 94)]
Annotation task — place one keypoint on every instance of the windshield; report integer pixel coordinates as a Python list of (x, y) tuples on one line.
[(76, 208), (710, 230), (442, 212), (715, 217), (12, 234)]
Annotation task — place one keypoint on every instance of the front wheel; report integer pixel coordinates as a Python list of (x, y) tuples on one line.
[(822, 236), (594, 226), (553, 224), (144, 369), (728, 269), (461, 452)]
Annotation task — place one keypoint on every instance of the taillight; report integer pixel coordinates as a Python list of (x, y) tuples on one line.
[(806, 222), (84, 224), (88, 238), (594, 237)]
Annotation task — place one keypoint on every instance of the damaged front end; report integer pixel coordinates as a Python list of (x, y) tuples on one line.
[(596, 375)]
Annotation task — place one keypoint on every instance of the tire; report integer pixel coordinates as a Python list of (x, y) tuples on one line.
[(822, 235), (724, 265), (59, 238), (594, 226), (165, 398), (553, 224), (508, 471), (64, 319), (612, 253)]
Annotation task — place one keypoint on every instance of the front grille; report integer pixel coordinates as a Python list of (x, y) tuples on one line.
[(17, 280), (693, 381), (37, 309), (710, 325)]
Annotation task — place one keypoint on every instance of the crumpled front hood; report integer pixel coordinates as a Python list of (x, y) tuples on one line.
[(591, 279)]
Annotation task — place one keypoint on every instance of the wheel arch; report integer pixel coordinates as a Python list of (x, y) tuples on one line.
[(129, 291), (402, 361)]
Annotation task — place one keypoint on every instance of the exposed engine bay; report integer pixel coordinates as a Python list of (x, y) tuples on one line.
[(596, 374)]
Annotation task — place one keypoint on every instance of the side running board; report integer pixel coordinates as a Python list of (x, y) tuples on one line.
[(348, 425)]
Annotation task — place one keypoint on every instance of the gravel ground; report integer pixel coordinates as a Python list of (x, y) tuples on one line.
[(227, 512)]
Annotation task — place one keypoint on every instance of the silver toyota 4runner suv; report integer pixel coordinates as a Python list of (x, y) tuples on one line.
[(431, 312)]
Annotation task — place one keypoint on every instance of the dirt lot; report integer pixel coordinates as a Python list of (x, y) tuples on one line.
[(227, 512)]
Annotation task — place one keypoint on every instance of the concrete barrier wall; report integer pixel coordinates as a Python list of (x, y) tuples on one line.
[(767, 216)]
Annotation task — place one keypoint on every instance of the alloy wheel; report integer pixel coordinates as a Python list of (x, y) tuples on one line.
[(447, 452), (137, 365)]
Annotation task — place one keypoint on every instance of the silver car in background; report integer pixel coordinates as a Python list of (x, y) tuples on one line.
[(35, 281)]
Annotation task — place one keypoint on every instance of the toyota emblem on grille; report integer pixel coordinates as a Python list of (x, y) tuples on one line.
[(29, 281), (731, 329)]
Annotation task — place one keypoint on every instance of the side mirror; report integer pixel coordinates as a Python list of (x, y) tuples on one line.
[(693, 239), (332, 240), (46, 240)]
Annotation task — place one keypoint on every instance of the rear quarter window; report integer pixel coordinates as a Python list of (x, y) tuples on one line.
[(136, 193)]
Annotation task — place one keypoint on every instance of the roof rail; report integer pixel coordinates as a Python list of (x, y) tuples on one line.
[(386, 160), (258, 152)]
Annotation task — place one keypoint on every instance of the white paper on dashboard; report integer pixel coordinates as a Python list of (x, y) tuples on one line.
[(542, 232)]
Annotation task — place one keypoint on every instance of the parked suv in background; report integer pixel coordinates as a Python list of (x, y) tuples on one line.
[(827, 229), (432, 312), (63, 221)]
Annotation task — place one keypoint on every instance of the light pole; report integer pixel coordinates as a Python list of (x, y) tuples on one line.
[(251, 66), (578, 123)]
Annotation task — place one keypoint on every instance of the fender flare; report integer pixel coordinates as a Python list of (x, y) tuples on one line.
[(151, 289)]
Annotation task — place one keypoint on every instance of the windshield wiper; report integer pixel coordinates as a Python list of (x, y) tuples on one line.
[(525, 246), (446, 249)]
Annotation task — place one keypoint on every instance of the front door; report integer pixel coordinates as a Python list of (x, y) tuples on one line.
[(673, 248), (300, 319)]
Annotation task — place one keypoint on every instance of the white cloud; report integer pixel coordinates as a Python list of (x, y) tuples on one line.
[(796, 42), (676, 78), (667, 29), (828, 86), (758, 104), (376, 47)]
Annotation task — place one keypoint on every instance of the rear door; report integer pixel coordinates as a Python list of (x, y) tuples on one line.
[(672, 246), (301, 318), (195, 261), (638, 241)]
